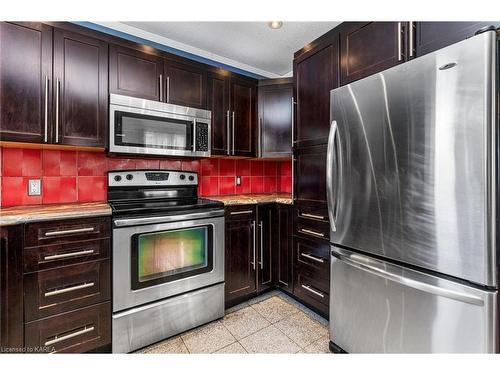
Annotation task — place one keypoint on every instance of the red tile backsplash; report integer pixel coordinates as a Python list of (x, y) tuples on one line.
[(77, 176)]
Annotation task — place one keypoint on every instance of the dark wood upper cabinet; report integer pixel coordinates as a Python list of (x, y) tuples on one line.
[(185, 85), (367, 48), (25, 82), (310, 174), (81, 89), (243, 117), (11, 287), (240, 256), (283, 265), (218, 104), (266, 225), (135, 73), (431, 36), (316, 73), (275, 119)]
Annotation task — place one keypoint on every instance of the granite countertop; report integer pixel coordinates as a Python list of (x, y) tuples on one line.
[(26, 214), (234, 200)]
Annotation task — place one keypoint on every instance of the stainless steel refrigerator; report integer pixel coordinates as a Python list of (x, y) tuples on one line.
[(412, 199)]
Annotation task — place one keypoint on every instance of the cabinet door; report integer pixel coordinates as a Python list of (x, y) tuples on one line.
[(367, 48), (134, 73), (275, 120), (315, 75), (243, 117), (284, 250), (431, 36), (11, 287), (240, 258), (25, 82), (265, 236), (310, 174), (218, 103), (185, 85), (81, 89)]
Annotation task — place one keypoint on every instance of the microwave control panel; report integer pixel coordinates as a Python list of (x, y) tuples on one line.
[(201, 137)]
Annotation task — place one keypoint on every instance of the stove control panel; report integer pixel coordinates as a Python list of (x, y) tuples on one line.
[(152, 178)]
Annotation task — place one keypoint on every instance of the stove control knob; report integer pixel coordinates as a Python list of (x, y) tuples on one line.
[(118, 178), (182, 177), (129, 177), (191, 178)]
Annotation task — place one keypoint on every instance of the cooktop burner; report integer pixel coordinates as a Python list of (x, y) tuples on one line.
[(163, 206)]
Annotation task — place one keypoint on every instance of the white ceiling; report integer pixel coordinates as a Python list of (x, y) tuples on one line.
[(251, 46)]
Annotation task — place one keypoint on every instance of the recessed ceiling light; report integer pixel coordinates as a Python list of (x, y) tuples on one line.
[(275, 24)]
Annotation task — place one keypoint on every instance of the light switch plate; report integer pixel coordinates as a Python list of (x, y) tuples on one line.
[(34, 187)]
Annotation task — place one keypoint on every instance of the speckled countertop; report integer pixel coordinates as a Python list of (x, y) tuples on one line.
[(25, 214), (234, 200)]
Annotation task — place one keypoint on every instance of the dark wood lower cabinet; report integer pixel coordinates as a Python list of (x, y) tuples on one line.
[(283, 256), (11, 288), (266, 235)]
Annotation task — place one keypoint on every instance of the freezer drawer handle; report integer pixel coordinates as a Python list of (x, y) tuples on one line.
[(308, 288), (412, 283), (316, 259)]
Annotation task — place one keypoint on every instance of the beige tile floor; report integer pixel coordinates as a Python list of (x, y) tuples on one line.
[(271, 323)]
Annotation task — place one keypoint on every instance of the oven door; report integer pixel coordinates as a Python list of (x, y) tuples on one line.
[(160, 260)]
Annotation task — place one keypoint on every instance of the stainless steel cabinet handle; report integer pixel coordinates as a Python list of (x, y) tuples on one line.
[(233, 133), (399, 41), (168, 89), (228, 133), (329, 174), (293, 177), (240, 212), (308, 231), (57, 111), (69, 231), (316, 259), (68, 255), (194, 135), (259, 137), (411, 38), (308, 288), (69, 336), (254, 241), (161, 87), (69, 289), (261, 228), (312, 216), (293, 122), (45, 138)]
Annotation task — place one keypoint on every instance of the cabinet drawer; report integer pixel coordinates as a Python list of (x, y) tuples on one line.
[(74, 332), (312, 229), (62, 289), (313, 255), (311, 289), (63, 231), (246, 212), (47, 257), (314, 214)]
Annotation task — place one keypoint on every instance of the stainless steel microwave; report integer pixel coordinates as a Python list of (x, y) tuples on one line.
[(148, 127)]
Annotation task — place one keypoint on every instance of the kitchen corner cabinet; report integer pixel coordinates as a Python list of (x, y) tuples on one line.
[(54, 87), (233, 102), (315, 73), (11, 287), (275, 118)]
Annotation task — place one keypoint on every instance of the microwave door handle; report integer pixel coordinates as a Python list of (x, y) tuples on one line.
[(194, 135)]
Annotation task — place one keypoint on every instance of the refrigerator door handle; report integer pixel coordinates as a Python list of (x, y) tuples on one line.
[(360, 262), (329, 175)]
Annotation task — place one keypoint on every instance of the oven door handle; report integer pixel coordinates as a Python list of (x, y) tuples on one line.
[(166, 219)]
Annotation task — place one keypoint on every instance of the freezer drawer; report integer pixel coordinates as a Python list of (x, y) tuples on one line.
[(378, 307)]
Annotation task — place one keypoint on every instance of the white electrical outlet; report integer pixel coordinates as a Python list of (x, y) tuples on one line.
[(238, 181), (34, 187)]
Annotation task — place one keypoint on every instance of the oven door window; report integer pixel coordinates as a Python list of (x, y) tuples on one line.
[(160, 257), (139, 130)]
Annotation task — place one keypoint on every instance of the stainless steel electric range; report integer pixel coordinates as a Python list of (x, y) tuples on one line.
[(168, 256)]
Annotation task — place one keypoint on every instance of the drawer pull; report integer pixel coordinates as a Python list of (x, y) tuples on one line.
[(69, 231), (57, 339), (241, 212), (307, 231), (311, 216), (308, 288), (316, 259), (68, 255), (69, 289)]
